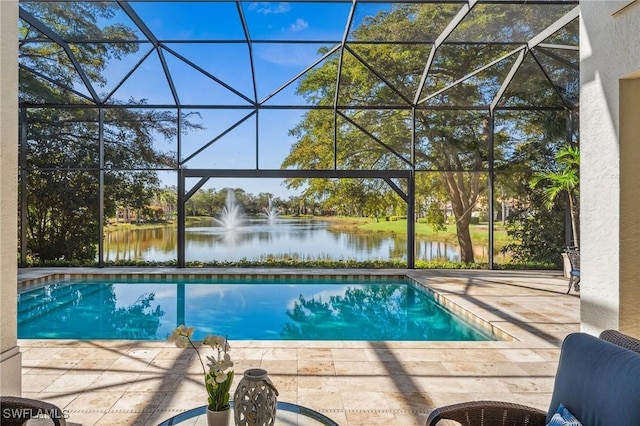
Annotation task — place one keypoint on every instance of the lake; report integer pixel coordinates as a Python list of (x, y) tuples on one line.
[(257, 239)]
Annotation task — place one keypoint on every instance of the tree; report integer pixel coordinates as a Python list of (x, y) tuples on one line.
[(79, 20), (435, 217), (565, 180), (537, 231), (166, 198), (452, 143), (62, 146)]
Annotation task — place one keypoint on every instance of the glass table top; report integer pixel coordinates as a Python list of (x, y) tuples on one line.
[(286, 414)]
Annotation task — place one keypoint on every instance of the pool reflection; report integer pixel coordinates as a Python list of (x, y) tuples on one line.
[(249, 310)]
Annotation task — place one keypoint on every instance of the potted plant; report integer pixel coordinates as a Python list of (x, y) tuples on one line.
[(217, 377)]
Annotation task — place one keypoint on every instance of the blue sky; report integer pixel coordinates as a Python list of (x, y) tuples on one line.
[(275, 64)]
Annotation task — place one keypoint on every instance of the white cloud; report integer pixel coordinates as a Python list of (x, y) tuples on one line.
[(287, 55), (299, 25), (269, 8)]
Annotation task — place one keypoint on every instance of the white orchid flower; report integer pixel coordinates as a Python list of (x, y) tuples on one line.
[(217, 379), (221, 377)]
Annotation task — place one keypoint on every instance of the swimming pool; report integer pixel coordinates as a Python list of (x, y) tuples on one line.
[(243, 308)]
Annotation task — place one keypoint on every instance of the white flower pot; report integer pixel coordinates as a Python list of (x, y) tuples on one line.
[(218, 418)]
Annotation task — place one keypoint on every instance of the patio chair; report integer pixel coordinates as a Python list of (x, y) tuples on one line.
[(621, 339), (596, 380), (16, 411), (573, 253)]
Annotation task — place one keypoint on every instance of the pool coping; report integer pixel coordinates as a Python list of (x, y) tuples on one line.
[(188, 274)]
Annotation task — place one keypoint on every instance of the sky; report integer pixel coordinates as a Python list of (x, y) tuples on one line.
[(275, 65), (286, 38)]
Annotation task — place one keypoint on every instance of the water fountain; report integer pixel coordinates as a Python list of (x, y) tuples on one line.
[(231, 216), (271, 213)]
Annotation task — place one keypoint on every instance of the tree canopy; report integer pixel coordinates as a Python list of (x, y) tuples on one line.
[(64, 149), (380, 126)]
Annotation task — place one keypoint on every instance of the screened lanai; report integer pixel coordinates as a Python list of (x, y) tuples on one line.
[(364, 108)]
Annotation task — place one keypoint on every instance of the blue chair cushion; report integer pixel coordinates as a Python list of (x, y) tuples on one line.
[(597, 381)]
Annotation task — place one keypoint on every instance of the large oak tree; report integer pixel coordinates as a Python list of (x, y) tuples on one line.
[(380, 126)]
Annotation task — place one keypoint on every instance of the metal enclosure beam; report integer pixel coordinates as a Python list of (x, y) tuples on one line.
[(252, 104)]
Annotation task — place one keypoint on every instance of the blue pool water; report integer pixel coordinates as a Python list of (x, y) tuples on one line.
[(318, 309)]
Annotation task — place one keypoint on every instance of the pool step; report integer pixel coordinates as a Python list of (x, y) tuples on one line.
[(34, 304)]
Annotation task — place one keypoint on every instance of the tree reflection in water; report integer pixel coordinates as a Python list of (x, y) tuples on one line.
[(376, 312), (56, 311)]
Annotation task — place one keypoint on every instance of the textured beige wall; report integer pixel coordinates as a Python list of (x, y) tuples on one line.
[(609, 52), (10, 360), (630, 205)]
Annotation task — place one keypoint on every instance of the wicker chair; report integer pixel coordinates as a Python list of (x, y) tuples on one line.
[(493, 413), (16, 411), (596, 380), (620, 339)]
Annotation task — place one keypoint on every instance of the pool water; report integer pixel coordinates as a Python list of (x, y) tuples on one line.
[(319, 309)]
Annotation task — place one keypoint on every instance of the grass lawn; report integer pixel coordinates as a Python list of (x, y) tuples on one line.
[(479, 233)]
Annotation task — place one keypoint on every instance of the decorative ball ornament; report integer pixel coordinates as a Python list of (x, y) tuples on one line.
[(255, 399)]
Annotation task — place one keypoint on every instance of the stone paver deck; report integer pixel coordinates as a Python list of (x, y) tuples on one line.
[(354, 383)]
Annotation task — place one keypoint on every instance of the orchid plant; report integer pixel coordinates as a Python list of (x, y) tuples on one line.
[(219, 376)]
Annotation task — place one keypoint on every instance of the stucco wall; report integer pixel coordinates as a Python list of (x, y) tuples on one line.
[(10, 360), (610, 267)]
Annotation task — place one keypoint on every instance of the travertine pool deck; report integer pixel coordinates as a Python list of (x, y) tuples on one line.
[(354, 383)]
